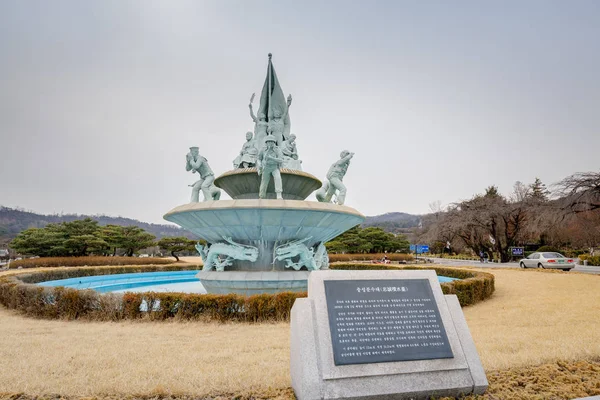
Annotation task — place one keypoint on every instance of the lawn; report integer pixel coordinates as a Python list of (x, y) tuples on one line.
[(538, 338)]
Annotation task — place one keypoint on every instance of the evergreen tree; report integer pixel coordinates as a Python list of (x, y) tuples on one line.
[(368, 240), (492, 191), (176, 244), (113, 236), (42, 242), (539, 192), (135, 238), (80, 238)]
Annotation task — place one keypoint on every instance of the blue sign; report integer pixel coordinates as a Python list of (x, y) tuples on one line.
[(517, 251), (419, 248)]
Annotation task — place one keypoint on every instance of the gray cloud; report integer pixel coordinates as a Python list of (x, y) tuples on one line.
[(100, 101)]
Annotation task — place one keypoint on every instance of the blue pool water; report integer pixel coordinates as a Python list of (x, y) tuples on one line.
[(443, 279), (170, 281)]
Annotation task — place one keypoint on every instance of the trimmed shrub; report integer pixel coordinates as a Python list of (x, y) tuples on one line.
[(472, 287), (86, 261), (459, 257), (359, 267), (591, 260), (368, 257), (550, 249), (574, 253), (19, 292)]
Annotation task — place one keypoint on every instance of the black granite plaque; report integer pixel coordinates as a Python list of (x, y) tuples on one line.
[(385, 320)]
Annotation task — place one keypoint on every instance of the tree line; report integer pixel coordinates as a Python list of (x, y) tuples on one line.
[(86, 237), (368, 240), (567, 217)]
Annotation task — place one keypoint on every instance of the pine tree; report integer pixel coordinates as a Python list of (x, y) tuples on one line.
[(492, 191), (539, 192)]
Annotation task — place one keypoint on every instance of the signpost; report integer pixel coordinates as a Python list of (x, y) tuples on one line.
[(517, 251), (419, 249)]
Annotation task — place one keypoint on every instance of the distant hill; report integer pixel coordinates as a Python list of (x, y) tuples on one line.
[(13, 221), (395, 222)]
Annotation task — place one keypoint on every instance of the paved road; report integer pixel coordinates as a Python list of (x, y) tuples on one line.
[(446, 261)]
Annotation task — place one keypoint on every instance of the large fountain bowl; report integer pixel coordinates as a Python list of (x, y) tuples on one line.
[(265, 224)]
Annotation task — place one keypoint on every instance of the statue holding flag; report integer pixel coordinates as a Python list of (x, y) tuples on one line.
[(273, 112), (277, 123), (260, 125)]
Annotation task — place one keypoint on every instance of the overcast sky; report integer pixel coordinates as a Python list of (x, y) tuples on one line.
[(99, 101)]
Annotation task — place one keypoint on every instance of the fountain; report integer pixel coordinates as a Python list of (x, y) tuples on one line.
[(268, 238)]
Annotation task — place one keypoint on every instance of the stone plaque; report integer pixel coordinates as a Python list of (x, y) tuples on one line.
[(375, 321), (387, 334)]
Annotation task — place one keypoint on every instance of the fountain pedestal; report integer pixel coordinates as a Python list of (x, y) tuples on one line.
[(249, 283)]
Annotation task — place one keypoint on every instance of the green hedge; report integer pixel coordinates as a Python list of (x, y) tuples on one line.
[(457, 257), (546, 248), (20, 292), (472, 287), (591, 260), (86, 261), (401, 257)]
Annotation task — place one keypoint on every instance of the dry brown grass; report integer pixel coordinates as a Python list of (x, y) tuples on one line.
[(79, 359), (533, 318), (561, 380), (536, 317)]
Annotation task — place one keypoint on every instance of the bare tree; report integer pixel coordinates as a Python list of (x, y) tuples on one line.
[(436, 208), (580, 230), (492, 223), (580, 192), (520, 192), (487, 223)]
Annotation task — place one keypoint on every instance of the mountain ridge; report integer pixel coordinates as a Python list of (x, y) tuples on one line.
[(15, 220), (394, 222)]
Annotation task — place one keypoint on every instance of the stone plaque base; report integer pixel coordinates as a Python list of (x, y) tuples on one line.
[(315, 375)]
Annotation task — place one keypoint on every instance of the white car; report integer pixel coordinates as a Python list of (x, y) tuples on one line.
[(548, 259)]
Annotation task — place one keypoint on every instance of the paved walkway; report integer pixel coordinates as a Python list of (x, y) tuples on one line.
[(446, 261)]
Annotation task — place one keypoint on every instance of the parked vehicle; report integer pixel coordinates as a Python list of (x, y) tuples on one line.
[(548, 260)]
